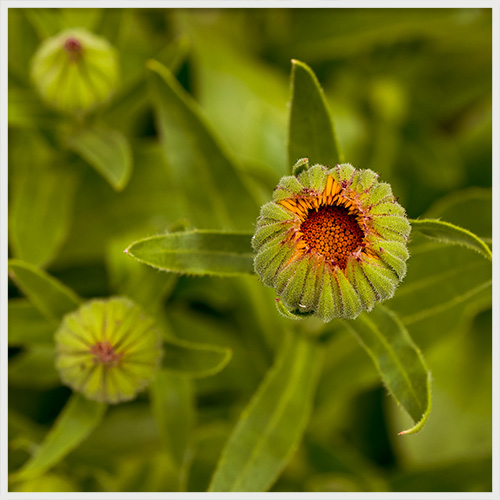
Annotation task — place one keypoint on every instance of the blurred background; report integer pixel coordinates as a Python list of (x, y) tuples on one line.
[(410, 94)]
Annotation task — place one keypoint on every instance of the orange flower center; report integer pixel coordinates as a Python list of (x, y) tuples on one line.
[(105, 354), (333, 232)]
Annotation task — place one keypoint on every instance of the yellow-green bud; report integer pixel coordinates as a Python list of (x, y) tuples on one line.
[(75, 71), (108, 349)]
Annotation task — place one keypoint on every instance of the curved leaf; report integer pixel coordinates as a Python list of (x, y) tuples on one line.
[(398, 360), (202, 168), (197, 252), (108, 151), (271, 426), (445, 232), (77, 420), (27, 325), (194, 360), (311, 133), (48, 295)]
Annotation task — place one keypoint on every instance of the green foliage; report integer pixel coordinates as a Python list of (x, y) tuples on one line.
[(193, 141)]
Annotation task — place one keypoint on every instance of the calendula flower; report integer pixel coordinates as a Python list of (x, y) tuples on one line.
[(332, 242), (75, 71), (108, 350)]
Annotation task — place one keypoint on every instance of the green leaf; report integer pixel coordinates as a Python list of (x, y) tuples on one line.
[(34, 368), (77, 420), (197, 252), (172, 402), (27, 325), (444, 232), (311, 133), (48, 295), (214, 191), (444, 286), (271, 426), (398, 360), (194, 360), (108, 151), (41, 212)]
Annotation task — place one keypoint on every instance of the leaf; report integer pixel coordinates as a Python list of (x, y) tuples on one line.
[(48, 295), (444, 287), (34, 368), (444, 232), (197, 252), (214, 192), (172, 402), (77, 420), (41, 213), (108, 151), (194, 360), (398, 360), (311, 133), (27, 325), (271, 426), (143, 284)]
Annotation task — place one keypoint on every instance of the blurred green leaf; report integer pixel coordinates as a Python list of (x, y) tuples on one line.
[(468, 208), (172, 403), (108, 151), (202, 168), (270, 427), (398, 360), (41, 212), (444, 232), (34, 368), (443, 286), (197, 252), (27, 325), (47, 484), (193, 359), (26, 110), (50, 296), (76, 421), (311, 133)]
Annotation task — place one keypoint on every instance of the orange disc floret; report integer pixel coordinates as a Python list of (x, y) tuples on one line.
[(332, 232)]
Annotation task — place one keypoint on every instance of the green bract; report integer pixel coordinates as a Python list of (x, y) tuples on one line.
[(75, 71), (332, 242), (108, 350)]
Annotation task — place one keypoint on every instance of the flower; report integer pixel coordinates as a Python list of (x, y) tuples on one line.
[(332, 242), (107, 349), (75, 71)]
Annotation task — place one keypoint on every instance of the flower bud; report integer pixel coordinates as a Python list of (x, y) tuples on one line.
[(75, 71), (332, 242), (108, 349)]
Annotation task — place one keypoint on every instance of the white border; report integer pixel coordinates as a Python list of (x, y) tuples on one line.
[(4, 5)]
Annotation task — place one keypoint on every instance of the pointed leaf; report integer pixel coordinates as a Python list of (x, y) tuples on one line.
[(197, 252), (214, 191), (48, 295), (271, 426), (311, 133), (194, 360), (41, 212), (445, 232), (398, 360), (77, 420), (108, 151)]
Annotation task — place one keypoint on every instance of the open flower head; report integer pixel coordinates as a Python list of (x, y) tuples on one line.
[(75, 71), (108, 349), (332, 242)]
